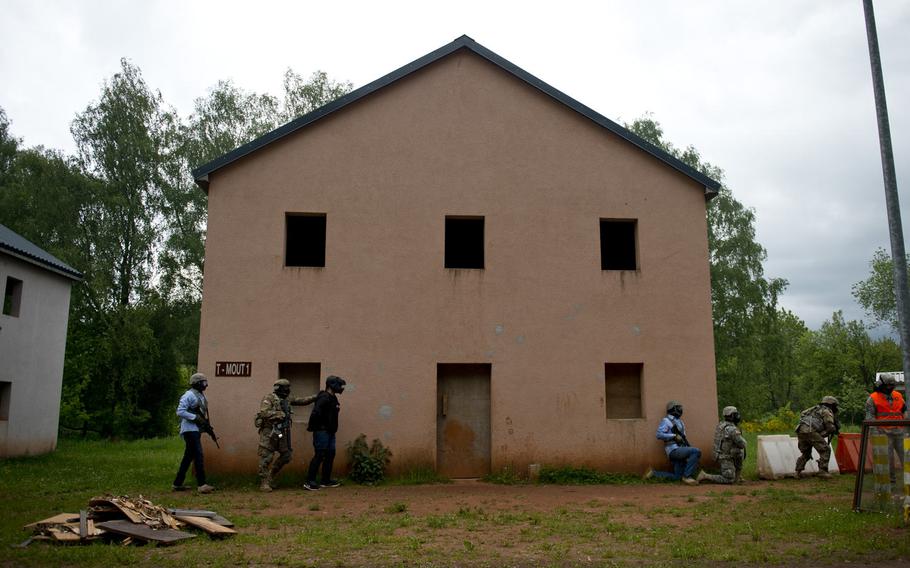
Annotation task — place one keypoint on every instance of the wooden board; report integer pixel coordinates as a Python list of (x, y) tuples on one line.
[(55, 520), (63, 535), (143, 532), (129, 513), (192, 513), (207, 525), (222, 521)]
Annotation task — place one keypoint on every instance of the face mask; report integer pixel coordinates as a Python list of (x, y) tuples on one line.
[(283, 392), (201, 386)]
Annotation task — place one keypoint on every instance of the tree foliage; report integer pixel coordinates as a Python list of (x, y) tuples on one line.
[(876, 293)]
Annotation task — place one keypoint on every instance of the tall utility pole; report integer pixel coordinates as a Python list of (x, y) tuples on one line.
[(898, 256)]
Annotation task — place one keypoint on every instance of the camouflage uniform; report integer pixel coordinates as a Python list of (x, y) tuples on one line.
[(729, 451), (815, 425), (274, 423)]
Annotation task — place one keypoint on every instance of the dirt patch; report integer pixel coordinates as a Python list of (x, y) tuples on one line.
[(448, 498)]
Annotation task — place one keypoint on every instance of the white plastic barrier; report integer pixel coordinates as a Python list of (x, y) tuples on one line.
[(777, 458)]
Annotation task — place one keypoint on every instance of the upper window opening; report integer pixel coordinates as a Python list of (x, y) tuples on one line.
[(464, 242), (305, 239), (617, 244), (12, 297)]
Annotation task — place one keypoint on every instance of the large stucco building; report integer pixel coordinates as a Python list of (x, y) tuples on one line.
[(36, 298), (502, 275)]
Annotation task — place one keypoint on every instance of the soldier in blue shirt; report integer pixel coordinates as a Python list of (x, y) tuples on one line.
[(193, 412), (683, 457)]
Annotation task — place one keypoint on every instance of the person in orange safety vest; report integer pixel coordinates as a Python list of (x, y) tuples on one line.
[(886, 404)]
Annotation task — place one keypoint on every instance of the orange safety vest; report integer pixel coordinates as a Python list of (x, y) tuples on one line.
[(885, 411)]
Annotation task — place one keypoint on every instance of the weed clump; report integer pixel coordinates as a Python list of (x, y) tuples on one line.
[(567, 475), (368, 463)]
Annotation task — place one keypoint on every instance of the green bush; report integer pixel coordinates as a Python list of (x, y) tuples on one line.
[(368, 463), (784, 420)]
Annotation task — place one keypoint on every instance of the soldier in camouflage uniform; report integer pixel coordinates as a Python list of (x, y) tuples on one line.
[(274, 423), (729, 450), (817, 425)]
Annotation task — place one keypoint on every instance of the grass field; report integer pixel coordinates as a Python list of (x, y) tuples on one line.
[(629, 523)]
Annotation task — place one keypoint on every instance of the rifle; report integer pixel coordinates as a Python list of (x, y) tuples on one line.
[(678, 432), (206, 427), (834, 434), (279, 428)]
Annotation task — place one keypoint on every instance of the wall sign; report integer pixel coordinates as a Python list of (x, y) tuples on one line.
[(233, 368)]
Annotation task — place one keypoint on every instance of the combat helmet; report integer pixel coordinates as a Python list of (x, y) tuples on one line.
[(675, 408), (887, 379), (197, 378), (336, 384), (281, 383), (829, 401), (731, 413)]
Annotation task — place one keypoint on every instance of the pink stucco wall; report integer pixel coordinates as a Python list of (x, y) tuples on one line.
[(461, 137)]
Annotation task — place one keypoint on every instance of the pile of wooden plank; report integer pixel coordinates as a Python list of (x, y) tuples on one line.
[(128, 520)]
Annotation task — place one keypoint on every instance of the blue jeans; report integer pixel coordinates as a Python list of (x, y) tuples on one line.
[(684, 461), (324, 455), (192, 454)]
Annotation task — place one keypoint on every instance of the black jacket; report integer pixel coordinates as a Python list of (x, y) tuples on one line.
[(325, 413)]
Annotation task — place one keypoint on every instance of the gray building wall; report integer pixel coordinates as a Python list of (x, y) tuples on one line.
[(32, 347)]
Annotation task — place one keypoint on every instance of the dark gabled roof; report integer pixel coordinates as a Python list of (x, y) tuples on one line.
[(201, 174), (16, 245)]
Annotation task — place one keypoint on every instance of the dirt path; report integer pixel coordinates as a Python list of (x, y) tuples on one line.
[(470, 494)]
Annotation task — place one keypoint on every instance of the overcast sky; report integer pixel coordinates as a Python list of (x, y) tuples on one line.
[(777, 93)]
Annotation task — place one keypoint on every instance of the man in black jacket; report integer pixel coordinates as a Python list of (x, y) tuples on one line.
[(324, 424)]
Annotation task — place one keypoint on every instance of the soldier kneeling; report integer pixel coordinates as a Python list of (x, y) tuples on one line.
[(274, 423), (729, 449)]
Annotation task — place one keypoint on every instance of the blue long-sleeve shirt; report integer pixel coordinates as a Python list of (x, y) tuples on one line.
[(188, 408), (665, 432)]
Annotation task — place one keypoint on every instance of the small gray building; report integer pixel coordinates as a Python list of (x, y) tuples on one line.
[(36, 299)]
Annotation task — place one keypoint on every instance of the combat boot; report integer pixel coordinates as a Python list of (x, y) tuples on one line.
[(265, 485), (823, 473)]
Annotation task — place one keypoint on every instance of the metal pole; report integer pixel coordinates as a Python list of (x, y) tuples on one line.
[(898, 256)]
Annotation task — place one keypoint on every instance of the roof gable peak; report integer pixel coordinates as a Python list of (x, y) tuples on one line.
[(201, 174)]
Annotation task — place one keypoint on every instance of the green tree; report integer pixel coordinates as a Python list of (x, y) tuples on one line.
[(121, 139), (876, 293), (841, 359), (302, 96)]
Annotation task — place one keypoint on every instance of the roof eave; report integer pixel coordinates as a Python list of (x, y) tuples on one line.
[(74, 275)]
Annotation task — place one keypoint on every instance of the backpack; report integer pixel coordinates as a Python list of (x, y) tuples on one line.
[(811, 417)]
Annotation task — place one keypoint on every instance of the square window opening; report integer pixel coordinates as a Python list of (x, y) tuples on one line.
[(617, 244), (464, 242), (622, 394), (304, 379), (6, 389), (304, 239), (12, 297)]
